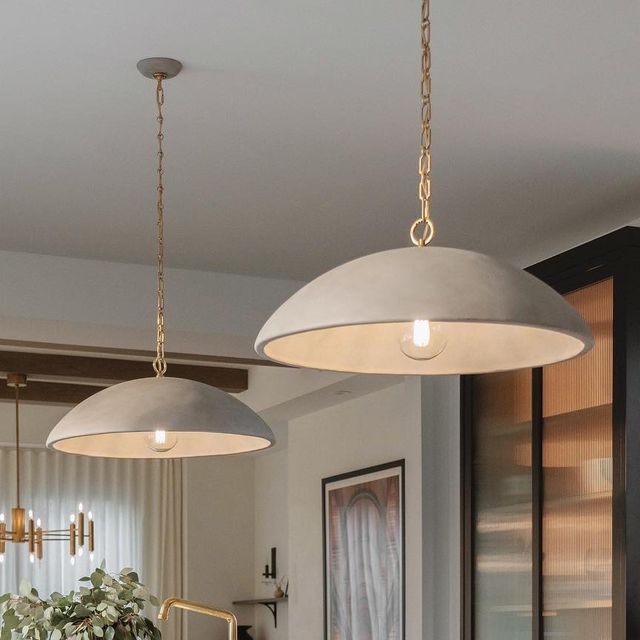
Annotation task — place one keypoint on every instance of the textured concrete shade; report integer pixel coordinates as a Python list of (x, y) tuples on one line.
[(115, 422), (494, 317)]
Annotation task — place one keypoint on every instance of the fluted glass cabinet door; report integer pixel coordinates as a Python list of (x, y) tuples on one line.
[(502, 475), (577, 480), (559, 446)]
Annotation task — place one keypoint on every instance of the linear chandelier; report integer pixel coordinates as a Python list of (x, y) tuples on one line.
[(29, 531), (161, 416), (423, 309)]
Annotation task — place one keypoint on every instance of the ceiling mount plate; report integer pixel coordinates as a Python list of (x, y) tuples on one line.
[(16, 380), (169, 67)]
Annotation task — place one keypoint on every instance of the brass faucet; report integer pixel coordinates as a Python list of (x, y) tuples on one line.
[(205, 609)]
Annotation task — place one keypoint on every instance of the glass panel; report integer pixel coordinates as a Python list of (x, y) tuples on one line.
[(577, 460), (502, 485)]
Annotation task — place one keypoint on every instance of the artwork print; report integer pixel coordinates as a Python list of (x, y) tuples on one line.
[(364, 554)]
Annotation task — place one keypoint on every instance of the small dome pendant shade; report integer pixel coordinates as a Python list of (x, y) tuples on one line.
[(487, 316), (160, 418)]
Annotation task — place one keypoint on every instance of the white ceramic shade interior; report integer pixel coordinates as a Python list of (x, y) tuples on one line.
[(493, 316), (117, 422)]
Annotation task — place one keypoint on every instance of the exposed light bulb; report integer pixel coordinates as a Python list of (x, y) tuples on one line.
[(80, 507), (1, 517), (421, 333), (38, 523), (72, 518), (91, 556), (80, 551), (90, 516), (72, 560), (425, 341), (32, 558), (160, 440), (30, 514), (1, 558)]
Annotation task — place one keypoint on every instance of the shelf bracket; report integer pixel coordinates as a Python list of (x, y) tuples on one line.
[(273, 607)]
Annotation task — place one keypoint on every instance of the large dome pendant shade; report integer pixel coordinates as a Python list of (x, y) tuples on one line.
[(194, 419), (160, 417), (488, 316), (424, 310)]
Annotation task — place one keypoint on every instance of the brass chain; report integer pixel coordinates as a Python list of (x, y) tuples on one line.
[(424, 161), (17, 390), (159, 363)]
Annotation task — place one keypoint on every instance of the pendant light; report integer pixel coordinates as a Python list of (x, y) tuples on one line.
[(422, 309), (160, 417)]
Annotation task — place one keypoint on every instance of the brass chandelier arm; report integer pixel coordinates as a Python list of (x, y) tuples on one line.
[(424, 237), (160, 363)]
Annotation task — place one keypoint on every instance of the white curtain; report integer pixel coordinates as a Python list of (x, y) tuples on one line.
[(136, 506), (364, 561)]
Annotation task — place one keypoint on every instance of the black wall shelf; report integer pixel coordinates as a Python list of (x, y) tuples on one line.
[(270, 603)]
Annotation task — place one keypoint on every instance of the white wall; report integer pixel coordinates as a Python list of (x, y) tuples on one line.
[(219, 539), (271, 530), (89, 302), (373, 429), (441, 507)]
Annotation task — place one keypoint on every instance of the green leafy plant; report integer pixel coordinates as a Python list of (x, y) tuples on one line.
[(108, 608)]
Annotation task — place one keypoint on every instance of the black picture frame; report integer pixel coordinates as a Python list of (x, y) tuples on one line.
[(361, 475)]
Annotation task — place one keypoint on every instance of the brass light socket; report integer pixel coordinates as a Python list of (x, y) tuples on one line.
[(39, 542), (72, 539), (91, 537), (81, 529), (32, 536), (17, 524)]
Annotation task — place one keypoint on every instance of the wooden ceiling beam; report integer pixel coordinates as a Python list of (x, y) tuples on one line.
[(87, 368), (49, 392), (144, 353)]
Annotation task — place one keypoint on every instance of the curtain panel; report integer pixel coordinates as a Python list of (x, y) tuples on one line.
[(137, 508)]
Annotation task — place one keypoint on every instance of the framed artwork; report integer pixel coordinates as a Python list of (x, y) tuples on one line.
[(364, 560)]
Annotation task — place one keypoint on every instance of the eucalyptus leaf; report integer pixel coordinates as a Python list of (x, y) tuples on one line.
[(110, 608)]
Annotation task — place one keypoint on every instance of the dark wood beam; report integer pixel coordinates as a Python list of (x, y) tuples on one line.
[(124, 353), (49, 392), (86, 368)]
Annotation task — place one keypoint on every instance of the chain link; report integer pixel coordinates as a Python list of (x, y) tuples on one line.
[(424, 161), (159, 363)]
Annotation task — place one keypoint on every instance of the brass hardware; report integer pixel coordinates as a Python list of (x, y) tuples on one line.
[(72, 539), (91, 537), (32, 536), (159, 363), (24, 529), (17, 524), (81, 535), (196, 607), (424, 161)]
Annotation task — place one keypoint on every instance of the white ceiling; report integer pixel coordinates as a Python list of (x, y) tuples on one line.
[(292, 131)]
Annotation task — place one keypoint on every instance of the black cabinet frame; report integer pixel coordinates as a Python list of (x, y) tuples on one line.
[(615, 255)]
